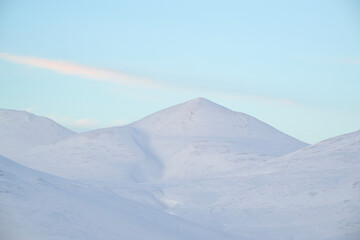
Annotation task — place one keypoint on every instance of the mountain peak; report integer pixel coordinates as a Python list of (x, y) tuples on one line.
[(21, 130), (202, 118), (198, 99), (200, 102), (197, 107), (12, 116), (198, 117)]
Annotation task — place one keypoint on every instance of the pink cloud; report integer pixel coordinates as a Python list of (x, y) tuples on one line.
[(87, 72), (130, 80)]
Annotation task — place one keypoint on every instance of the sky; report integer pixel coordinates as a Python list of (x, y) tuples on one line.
[(89, 64)]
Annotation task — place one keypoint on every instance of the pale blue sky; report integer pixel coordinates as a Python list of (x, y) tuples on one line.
[(292, 64)]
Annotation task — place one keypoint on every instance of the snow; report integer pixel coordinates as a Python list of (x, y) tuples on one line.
[(201, 118), (197, 161), (104, 155), (173, 143), (21, 131), (36, 205), (199, 137), (313, 193)]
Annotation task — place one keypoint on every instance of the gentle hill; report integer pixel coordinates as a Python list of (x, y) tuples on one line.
[(21, 131), (313, 193), (36, 205)]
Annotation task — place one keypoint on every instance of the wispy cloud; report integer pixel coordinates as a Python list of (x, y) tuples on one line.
[(345, 60), (83, 71), (130, 80)]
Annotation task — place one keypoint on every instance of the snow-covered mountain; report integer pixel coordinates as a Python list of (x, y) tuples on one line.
[(21, 131), (107, 155), (198, 161), (313, 193), (201, 118), (334, 154), (36, 205), (191, 139), (199, 137)]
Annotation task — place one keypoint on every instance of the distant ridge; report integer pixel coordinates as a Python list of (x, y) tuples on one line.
[(163, 144), (196, 160), (21, 131)]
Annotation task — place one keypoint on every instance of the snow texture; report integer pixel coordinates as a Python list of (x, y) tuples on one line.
[(197, 161), (36, 205), (178, 142)]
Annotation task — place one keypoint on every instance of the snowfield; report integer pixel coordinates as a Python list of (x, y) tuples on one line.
[(21, 131), (313, 193), (177, 142), (196, 170), (36, 205)]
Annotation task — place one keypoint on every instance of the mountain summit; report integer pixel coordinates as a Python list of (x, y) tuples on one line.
[(205, 119), (199, 134)]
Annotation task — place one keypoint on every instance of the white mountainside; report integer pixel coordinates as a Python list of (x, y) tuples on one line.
[(199, 137), (21, 130), (204, 163), (191, 139), (36, 205), (313, 193), (105, 155)]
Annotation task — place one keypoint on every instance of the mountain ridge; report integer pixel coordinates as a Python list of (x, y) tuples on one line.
[(189, 161), (159, 145), (21, 131)]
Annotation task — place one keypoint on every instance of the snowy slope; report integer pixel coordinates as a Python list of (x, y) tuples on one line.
[(334, 154), (199, 137), (195, 138), (313, 193), (201, 118), (35, 205), (20, 131), (105, 155), (207, 164)]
